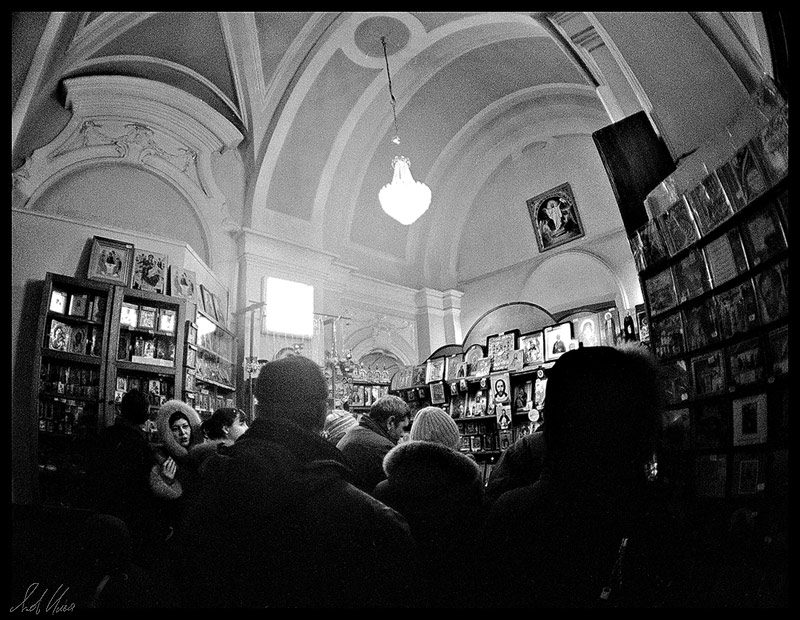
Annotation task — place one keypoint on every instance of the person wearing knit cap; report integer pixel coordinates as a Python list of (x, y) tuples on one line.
[(433, 424), (280, 523), (337, 424), (440, 492)]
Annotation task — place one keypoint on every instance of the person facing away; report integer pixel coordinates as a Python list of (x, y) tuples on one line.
[(519, 465), (120, 475), (367, 444), (591, 531), (439, 491), (337, 423), (280, 523), (224, 427)]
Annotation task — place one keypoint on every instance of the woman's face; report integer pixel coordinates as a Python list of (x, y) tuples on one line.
[(237, 429), (181, 431)]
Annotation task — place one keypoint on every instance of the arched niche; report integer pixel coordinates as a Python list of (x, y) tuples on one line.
[(522, 315)]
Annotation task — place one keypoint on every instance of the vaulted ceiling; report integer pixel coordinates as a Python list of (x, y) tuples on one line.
[(492, 108)]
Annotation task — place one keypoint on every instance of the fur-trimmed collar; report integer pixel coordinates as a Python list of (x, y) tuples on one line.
[(427, 463), (174, 449)]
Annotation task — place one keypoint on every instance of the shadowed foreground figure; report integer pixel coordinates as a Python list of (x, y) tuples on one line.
[(278, 522), (592, 531)]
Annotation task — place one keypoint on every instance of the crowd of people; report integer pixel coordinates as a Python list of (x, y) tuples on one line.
[(314, 508)]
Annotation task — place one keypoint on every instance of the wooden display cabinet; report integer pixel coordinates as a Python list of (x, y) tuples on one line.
[(69, 387), (210, 372)]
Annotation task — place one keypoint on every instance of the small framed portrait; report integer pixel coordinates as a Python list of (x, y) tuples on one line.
[(129, 314), (154, 386), (418, 377), (523, 396), (750, 420), (482, 367), (749, 473), (472, 355), (452, 363), (207, 298), (498, 348), (556, 340), (434, 369), (78, 305), (532, 346), (667, 334), (166, 320), (500, 392), (709, 203), (763, 236), (147, 317), (587, 331), (183, 283), (517, 360), (111, 261), (149, 271), (437, 393), (778, 351), (772, 287), (58, 302), (745, 363), (122, 384), (555, 218), (708, 372), (679, 226), (79, 339), (661, 292)]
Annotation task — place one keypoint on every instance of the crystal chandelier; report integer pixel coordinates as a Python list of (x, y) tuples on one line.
[(404, 199)]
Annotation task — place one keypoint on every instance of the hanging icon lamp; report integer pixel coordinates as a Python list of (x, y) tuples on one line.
[(404, 199)]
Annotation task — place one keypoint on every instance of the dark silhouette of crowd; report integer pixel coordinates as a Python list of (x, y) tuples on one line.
[(311, 508)]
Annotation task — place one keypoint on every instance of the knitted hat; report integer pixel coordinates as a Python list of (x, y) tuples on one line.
[(337, 423), (433, 424)]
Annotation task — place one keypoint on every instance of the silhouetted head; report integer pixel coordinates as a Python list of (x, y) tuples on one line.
[(293, 388), (135, 407), (604, 407)]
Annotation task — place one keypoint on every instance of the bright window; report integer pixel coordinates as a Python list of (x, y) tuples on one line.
[(290, 307)]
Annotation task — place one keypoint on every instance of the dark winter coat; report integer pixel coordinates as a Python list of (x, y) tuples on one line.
[(440, 492), (364, 446), (120, 470), (279, 524), (555, 543), (519, 465)]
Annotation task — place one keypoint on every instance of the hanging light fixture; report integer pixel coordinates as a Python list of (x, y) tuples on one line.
[(404, 199)]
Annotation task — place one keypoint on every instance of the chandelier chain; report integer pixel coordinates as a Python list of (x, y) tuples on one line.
[(391, 93)]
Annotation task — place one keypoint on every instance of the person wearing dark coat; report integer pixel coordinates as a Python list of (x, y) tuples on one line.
[(592, 531), (366, 444), (279, 523), (519, 465), (440, 492), (120, 478)]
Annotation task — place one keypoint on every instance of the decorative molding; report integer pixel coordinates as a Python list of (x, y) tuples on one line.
[(142, 123)]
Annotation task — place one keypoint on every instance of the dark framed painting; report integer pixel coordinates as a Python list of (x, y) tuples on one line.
[(555, 218), (499, 347), (111, 261)]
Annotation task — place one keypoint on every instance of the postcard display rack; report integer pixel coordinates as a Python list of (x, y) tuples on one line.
[(97, 341), (209, 381), (714, 270)]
